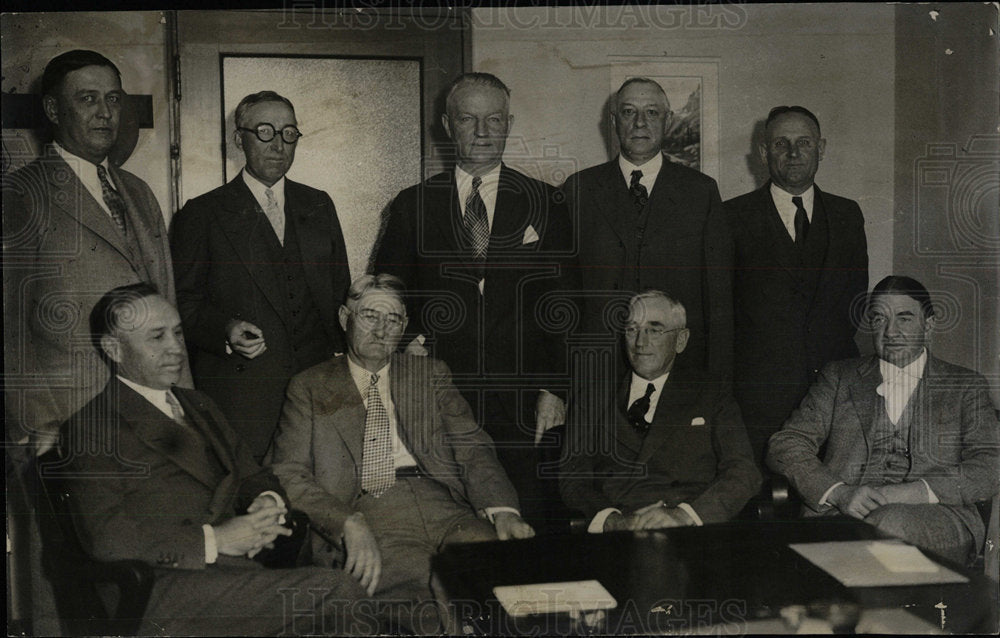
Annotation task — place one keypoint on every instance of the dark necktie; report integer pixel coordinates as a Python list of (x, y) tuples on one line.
[(637, 411), (477, 225), (112, 199), (639, 193), (377, 470), (801, 222)]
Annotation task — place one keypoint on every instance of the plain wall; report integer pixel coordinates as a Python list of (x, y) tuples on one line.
[(836, 60)]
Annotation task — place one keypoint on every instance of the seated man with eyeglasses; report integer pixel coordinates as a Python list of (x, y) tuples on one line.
[(658, 447), (260, 265), (384, 455)]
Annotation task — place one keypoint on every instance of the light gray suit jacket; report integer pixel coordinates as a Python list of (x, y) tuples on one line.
[(62, 252), (954, 435), (318, 446)]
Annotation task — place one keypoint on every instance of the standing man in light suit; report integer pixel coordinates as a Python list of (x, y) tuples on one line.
[(74, 226), (801, 262), (649, 223), (260, 265), (489, 245)]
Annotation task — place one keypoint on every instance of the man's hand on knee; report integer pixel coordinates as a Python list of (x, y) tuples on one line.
[(510, 525), (364, 559), (857, 500)]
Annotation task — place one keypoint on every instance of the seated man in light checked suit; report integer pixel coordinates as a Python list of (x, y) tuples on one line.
[(382, 452)]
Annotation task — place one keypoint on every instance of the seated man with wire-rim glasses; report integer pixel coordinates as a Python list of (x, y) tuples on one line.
[(383, 454), (659, 447)]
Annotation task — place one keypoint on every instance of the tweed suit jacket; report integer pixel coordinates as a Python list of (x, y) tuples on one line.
[(149, 499), (954, 435), (685, 250), (696, 451), (62, 252), (223, 273), (318, 447)]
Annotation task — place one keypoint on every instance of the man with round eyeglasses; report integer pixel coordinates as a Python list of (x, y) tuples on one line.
[(262, 261), (668, 447)]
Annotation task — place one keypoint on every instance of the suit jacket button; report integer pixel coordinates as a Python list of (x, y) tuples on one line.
[(240, 367), (186, 521)]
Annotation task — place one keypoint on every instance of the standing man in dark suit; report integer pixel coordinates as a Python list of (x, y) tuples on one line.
[(801, 262), (482, 249), (663, 446), (382, 452), (156, 474), (647, 222), (260, 265), (74, 226), (903, 440)]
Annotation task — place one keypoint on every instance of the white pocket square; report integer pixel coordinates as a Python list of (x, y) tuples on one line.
[(698, 421), (530, 236)]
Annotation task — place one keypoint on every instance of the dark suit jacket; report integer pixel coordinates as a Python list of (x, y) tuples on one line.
[(696, 451), (784, 333), (507, 331), (140, 489), (223, 274), (62, 252), (685, 251), (954, 435), (318, 447)]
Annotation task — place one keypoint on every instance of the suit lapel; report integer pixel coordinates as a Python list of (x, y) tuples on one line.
[(344, 408), (313, 236), (198, 415), (139, 229), (159, 432), (247, 228), (675, 400), (613, 193), (863, 396), (70, 195)]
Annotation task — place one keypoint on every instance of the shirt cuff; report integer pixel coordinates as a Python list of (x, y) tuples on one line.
[(229, 349), (211, 549), (829, 491), (281, 503), (597, 525), (491, 512), (690, 512), (931, 496)]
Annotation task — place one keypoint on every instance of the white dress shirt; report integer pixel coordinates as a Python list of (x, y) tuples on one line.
[(650, 170), (159, 400), (637, 390), (786, 208), (86, 172)]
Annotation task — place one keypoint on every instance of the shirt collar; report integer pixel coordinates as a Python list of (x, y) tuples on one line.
[(913, 370), (464, 179), (657, 382), (155, 396), (782, 197), (363, 377), (77, 163), (650, 169), (257, 188)]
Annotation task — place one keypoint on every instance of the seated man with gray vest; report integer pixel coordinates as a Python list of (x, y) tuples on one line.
[(911, 441)]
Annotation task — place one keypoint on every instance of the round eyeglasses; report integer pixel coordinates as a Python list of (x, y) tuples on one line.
[(265, 132)]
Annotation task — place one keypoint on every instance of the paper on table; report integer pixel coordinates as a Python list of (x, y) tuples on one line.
[(551, 598), (850, 562), (897, 557)]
